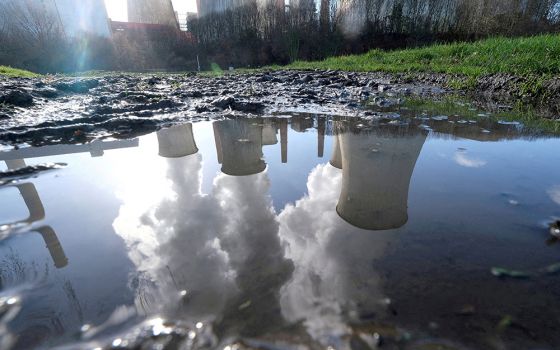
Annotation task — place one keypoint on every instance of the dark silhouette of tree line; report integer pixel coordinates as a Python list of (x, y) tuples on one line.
[(262, 32)]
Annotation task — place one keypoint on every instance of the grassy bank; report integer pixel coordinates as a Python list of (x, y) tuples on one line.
[(538, 55), (16, 73)]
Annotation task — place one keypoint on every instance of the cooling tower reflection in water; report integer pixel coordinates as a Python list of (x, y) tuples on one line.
[(310, 230), (377, 167), (177, 141)]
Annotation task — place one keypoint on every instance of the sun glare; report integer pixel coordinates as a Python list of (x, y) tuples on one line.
[(117, 9)]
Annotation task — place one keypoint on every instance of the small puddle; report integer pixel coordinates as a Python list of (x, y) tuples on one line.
[(427, 231)]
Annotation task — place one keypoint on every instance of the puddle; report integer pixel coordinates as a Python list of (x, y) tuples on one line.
[(299, 231)]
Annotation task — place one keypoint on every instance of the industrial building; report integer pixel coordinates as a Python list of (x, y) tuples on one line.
[(152, 12), (206, 7), (75, 17)]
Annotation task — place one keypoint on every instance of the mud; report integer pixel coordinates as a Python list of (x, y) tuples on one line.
[(52, 110)]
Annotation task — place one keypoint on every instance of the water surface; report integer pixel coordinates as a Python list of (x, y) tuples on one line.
[(300, 230)]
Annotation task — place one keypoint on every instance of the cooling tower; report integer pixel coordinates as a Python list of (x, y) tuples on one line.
[(177, 141), (84, 16), (206, 7), (152, 12), (377, 167), (269, 133), (239, 146), (75, 17), (336, 158)]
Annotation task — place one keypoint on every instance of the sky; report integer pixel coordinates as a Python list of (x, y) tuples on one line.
[(117, 8)]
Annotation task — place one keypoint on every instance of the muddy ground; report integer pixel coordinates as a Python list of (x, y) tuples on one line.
[(51, 110)]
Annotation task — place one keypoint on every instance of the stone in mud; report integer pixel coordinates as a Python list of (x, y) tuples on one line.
[(17, 98), (248, 106), (555, 229), (79, 87), (264, 78), (383, 88), (202, 108), (383, 102), (163, 104), (194, 93), (154, 81), (47, 92), (306, 79), (224, 102)]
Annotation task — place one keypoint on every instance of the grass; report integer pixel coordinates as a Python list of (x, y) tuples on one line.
[(16, 73), (537, 55)]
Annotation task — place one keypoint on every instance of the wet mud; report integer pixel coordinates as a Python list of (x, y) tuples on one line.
[(54, 110)]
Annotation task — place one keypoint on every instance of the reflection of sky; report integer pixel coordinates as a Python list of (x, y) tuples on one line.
[(462, 158), (290, 181), (219, 235), (554, 193)]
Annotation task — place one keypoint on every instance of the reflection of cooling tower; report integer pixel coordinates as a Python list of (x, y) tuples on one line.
[(177, 141), (377, 168), (336, 158), (152, 12), (301, 123), (269, 133), (37, 213), (321, 126), (28, 193), (88, 16), (284, 140), (240, 147), (53, 245)]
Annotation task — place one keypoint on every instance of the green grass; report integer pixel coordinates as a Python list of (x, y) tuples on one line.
[(16, 73), (538, 55)]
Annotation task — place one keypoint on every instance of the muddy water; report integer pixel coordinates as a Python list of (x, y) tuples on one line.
[(298, 231)]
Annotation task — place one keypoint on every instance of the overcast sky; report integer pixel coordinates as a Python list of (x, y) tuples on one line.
[(117, 8)]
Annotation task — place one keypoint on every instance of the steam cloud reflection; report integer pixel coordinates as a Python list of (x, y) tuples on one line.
[(215, 230), (248, 269)]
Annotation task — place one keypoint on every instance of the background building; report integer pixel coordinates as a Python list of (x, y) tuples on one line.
[(206, 7), (152, 12), (75, 17)]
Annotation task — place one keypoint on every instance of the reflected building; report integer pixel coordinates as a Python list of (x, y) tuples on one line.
[(336, 157), (14, 159), (269, 132), (335, 279), (283, 123), (95, 149), (37, 213), (321, 128), (333, 254), (222, 248), (301, 123), (239, 146), (377, 167), (177, 141)]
